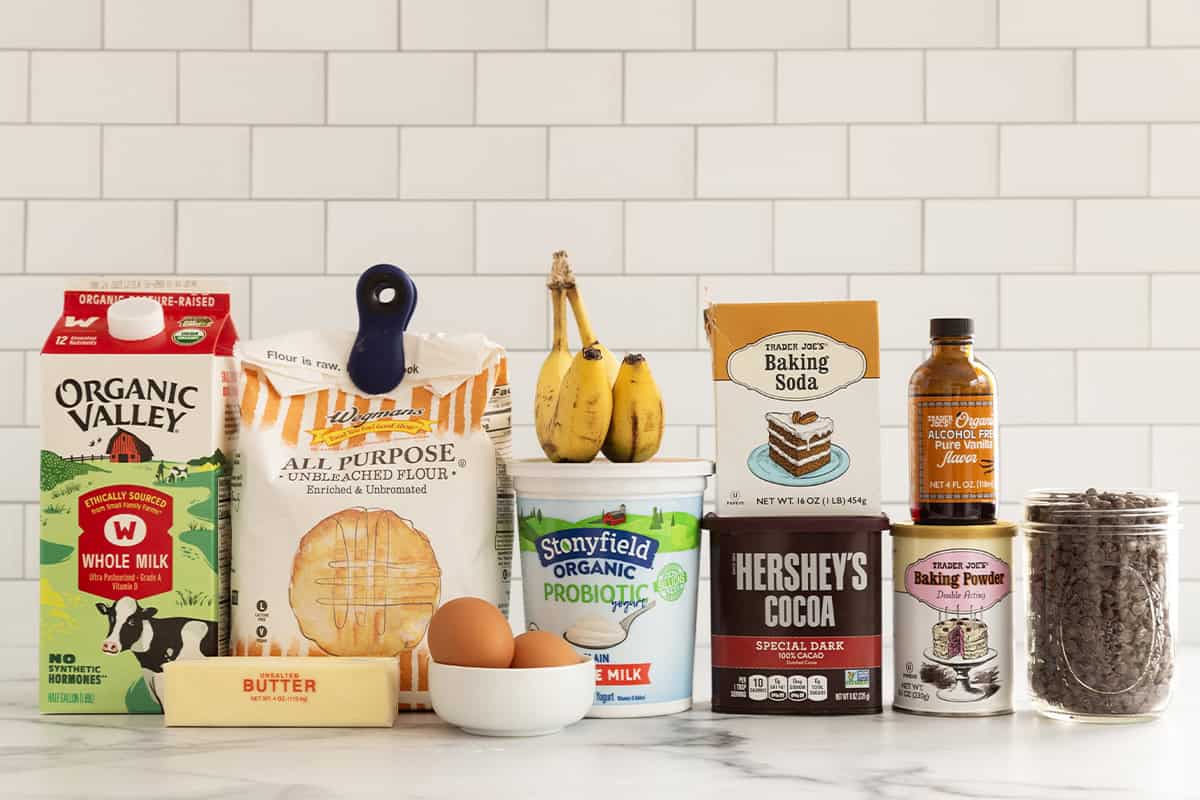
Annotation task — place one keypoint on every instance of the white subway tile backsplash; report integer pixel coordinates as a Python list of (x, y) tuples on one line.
[(49, 161), (252, 88), (102, 87), (12, 235), (620, 24), (12, 541), (999, 86), (473, 163), (177, 24), (989, 158), (850, 86), (325, 162), (1174, 23), (50, 24), (771, 24), (908, 302), (771, 161), (635, 162), (1041, 456), (1173, 322), (922, 23), (1076, 311), (100, 238), (1034, 387), (323, 25), (251, 237), (469, 25), (176, 161), (895, 369), (520, 237), (32, 515), (1174, 466), (19, 467), (1072, 23), (893, 455), (848, 236), (1137, 85), (928, 160), (22, 601), (33, 384), (1073, 160), (1112, 387), (420, 237), (28, 305), (1138, 235), (401, 88), (999, 235), (548, 88), (699, 87), (633, 314), (14, 86), (12, 395), (698, 237), (1174, 165)]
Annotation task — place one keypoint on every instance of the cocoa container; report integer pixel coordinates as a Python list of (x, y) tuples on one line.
[(796, 614)]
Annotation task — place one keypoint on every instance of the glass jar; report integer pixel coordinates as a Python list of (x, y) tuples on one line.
[(1103, 587)]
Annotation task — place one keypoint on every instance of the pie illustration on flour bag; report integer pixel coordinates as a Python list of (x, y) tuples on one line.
[(356, 514)]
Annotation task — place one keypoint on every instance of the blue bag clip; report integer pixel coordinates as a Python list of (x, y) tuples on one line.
[(386, 299)]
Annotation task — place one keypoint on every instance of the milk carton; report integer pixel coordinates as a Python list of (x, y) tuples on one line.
[(138, 418)]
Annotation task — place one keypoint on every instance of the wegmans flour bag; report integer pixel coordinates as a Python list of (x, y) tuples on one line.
[(355, 515)]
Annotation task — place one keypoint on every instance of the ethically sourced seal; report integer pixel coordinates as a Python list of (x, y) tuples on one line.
[(796, 614), (953, 623), (610, 560)]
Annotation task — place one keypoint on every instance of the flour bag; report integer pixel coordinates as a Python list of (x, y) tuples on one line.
[(356, 514)]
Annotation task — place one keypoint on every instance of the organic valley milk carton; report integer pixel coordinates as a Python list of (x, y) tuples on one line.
[(138, 419)]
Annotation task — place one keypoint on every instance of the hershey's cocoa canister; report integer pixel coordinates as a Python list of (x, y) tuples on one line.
[(796, 614), (953, 618)]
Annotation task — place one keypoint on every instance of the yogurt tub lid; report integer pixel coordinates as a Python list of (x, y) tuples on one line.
[(600, 468), (991, 530), (867, 524)]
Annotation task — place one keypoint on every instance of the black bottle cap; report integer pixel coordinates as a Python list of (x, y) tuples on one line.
[(951, 328)]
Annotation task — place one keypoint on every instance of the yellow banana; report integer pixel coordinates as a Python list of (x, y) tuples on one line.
[(587, 336), (583, 410), (636, 430), (554, 368)]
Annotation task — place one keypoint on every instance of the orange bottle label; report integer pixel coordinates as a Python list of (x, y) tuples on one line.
[(954, 440)]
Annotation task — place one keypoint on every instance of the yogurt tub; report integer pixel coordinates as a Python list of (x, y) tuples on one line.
[(610, 561)]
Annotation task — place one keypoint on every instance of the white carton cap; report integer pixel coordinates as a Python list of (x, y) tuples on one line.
[(135, 318)]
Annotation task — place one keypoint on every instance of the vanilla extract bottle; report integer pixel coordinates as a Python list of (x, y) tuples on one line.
[(952, 430)]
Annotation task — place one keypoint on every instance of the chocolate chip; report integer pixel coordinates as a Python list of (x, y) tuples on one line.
[(1101, 619)]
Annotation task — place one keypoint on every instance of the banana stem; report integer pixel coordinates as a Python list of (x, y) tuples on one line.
[(559, 304)]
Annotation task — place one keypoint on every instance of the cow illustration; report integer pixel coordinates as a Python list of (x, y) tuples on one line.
[(154, 641), (177, 473)]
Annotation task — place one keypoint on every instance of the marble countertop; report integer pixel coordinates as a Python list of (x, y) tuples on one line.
[(695, 754)]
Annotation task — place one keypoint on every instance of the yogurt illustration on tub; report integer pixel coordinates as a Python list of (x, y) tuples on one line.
[(610, 562)]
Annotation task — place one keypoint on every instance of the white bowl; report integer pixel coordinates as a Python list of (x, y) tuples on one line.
[(512, 702)]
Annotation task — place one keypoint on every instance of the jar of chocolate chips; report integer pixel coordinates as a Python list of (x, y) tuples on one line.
[(1103, 602)]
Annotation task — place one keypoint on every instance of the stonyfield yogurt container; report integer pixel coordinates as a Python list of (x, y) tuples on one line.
[(610, 561)]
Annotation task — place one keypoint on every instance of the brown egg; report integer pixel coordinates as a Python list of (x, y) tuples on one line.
[(542, 649), (470, 632)]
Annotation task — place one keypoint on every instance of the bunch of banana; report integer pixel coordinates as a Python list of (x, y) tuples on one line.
[(591, 402)]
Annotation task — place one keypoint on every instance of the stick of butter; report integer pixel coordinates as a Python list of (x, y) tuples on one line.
[(302, 692)]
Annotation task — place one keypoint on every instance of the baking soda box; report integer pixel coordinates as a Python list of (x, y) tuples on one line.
[(138, 418), (797, 408)]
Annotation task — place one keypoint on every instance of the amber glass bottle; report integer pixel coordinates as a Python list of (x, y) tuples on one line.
[(952, 431)]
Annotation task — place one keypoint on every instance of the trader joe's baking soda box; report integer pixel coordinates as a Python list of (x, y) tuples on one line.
[(138, 417), (797, 408)]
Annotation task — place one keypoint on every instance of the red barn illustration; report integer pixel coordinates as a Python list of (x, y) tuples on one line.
[(124, 447)]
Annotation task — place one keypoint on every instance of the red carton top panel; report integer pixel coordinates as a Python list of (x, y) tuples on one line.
[(196, 314)]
